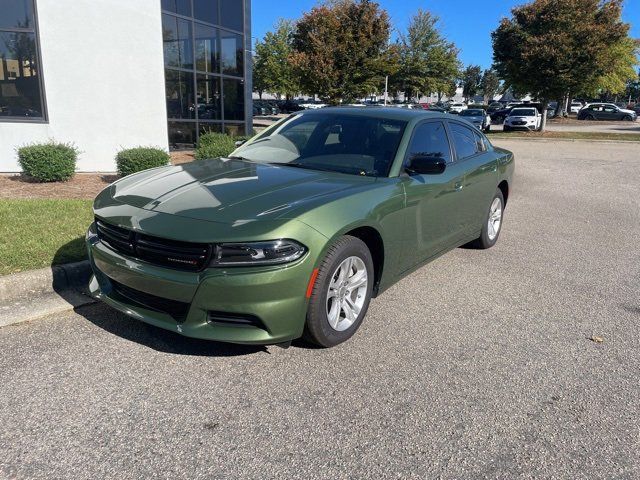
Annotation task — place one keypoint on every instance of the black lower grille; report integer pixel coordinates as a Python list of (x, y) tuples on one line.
[(159, 251), (178, 310), (234, 319)]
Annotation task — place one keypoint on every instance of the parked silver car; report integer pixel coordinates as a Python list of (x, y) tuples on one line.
[(478, 117)]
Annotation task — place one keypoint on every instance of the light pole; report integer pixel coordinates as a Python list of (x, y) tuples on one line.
[(386, 88)]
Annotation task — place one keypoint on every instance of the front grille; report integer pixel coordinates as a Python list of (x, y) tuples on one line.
[(187, 256), (518, 122), (178, 310)]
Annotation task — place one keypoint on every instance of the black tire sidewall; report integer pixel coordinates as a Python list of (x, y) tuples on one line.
[(317, 328)]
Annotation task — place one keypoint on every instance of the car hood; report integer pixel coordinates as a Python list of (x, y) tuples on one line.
[(232, 191), (626, 110)]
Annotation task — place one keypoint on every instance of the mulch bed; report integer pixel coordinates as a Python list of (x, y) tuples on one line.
[(82, 185)]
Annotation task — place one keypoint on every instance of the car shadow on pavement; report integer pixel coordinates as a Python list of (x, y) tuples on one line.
[(159, 339)]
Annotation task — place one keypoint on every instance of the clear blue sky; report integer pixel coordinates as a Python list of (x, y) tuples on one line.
[(468, 23)]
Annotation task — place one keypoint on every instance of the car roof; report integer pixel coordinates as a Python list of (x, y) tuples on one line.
[(391, 113)]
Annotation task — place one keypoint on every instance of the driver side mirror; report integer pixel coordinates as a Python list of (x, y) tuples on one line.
[(239, 143), (421, 164)]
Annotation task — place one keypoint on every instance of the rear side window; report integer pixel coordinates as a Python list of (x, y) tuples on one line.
[(465, 141), (430, 139)]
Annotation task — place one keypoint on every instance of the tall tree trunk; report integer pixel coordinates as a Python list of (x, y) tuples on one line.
[(543, 121)]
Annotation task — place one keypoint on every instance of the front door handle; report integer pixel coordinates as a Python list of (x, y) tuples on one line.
[(458, 186)]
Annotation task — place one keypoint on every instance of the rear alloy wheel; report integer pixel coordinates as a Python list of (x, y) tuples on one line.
[(341, 293), (492, 224)]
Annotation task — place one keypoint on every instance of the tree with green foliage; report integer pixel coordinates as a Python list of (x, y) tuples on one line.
[(551, 47), (632, 91), (471, 81), (622, 57), (340, 49), (489, 85), (427, 62), (273, 70)]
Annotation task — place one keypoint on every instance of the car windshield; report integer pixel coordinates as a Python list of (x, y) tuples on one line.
[(337, 142), (523, 112), (472, 113)]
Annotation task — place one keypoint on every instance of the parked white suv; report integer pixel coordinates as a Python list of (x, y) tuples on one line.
[(457, 107), (523, 118)]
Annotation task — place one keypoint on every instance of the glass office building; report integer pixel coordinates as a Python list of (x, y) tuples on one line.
[(116, 74), (206, 68)]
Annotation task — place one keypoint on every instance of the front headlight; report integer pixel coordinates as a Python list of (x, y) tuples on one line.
[(273, 252)]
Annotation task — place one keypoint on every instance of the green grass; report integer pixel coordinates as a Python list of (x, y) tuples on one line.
[(626, 137), (38, 233)]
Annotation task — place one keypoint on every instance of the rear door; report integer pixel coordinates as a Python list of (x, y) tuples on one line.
[(480, 166)]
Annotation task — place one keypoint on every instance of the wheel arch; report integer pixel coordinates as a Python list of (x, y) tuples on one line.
[(374, 242), (504, 188)]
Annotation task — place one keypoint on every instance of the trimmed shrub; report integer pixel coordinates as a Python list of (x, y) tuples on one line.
[(132, 160), (48, 162), (214, 145)]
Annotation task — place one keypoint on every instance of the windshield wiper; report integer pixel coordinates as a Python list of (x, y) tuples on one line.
[(296, 165)]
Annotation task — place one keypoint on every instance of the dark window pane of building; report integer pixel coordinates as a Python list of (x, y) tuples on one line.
[(16, 14), (179, 93), (176, 34), (20, 94), (207, 56), (182, 134), (233, 99), (206, 10), (210, 127), (209, 98), (232, 53), (231, 14), (182, 7)]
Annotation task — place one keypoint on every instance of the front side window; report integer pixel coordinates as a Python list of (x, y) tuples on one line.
[(430, 140), (337, 142), (464, 139), (20, 72)]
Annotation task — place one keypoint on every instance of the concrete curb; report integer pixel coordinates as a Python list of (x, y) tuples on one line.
[(548, 140), (29, 295)]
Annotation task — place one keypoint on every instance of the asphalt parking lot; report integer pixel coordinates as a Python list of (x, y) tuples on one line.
[(479, 365)]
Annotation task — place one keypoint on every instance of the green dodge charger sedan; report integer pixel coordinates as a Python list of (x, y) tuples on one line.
[(297, 230)]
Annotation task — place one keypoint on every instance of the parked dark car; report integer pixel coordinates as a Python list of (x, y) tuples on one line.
[(606, 111), (289, 106)]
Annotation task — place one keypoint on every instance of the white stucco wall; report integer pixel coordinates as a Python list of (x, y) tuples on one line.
[(102, 64)]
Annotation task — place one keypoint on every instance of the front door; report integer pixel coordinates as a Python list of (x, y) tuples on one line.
[(433, 213)]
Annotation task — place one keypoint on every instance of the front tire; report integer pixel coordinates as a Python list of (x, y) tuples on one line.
[(492, 223), (487, 128), (341, 293), (628, 118)]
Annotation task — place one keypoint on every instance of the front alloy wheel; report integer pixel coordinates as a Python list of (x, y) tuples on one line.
[(341, 293)]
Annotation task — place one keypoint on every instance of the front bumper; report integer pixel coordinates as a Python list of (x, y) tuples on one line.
[(529, 127), (273, 297)]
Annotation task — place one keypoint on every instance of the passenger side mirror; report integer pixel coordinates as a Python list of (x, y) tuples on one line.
[(421, 164), (239, 143)]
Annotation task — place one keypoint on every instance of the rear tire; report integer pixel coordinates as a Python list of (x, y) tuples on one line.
[(492, 223), (506, 129), (339, 300), (487, 128)]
